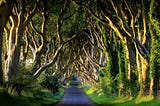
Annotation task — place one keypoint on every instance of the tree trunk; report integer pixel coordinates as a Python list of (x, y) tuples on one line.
[(5, 10), (1, 42), (12, 61), (145, 66), (139, 71), (142, 69), (130, 56)]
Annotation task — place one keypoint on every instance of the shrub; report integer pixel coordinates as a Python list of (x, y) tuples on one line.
[(51, 83), (24, 81)]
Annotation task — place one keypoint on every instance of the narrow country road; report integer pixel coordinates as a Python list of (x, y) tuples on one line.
[(75, 96)]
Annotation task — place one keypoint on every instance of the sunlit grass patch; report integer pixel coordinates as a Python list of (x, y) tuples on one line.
[(144, 99), (97, 96), (121, 100)]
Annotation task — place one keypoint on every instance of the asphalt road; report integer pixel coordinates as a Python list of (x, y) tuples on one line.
[(75, 96)]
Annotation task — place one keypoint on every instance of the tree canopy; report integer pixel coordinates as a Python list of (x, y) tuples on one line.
[(111, 42)]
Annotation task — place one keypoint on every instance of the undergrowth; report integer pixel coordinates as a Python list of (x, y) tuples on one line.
[(43, 98)]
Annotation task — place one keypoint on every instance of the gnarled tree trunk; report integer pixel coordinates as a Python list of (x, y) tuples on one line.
[(5, 10), (14, 46)]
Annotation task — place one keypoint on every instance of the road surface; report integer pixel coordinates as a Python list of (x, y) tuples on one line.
[(75, 96)]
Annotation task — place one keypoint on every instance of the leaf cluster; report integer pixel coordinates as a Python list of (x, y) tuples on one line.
[(51, 83)]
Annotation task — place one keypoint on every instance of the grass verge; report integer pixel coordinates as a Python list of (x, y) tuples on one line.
[(46, 99), (101, 99)]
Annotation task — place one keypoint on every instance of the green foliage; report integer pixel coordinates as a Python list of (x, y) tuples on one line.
[(107, 83), (8, 100), (23, 82), (51, 83), (155, 40)]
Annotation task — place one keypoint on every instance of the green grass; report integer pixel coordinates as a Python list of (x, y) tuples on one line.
[(46, 99), (99, 98)]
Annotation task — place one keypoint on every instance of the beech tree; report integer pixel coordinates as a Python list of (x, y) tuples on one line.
[(19, 19), (130, 24)]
